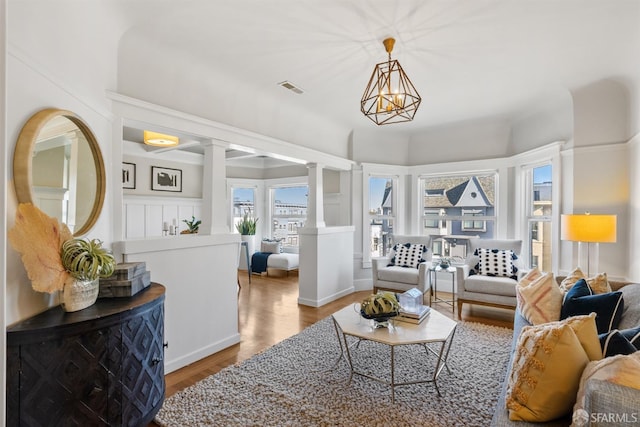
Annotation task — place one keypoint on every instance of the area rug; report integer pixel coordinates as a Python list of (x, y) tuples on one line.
[(298, 383)]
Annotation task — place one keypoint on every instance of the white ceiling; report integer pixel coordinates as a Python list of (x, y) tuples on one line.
[(468, 59)]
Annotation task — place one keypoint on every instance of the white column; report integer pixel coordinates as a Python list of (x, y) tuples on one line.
[(214, 190), (315, 206)]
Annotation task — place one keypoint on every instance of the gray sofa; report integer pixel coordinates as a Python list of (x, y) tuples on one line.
[(601, 396)]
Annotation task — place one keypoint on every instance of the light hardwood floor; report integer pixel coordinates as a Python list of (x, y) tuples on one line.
[(268, 312)]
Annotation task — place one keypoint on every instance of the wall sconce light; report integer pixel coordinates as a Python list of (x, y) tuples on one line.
[(160, 139)]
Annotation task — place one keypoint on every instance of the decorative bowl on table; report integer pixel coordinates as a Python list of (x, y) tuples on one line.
[(380, 307)]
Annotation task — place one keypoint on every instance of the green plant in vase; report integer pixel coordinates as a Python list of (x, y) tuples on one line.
[(247, 225), (86, 261), (193, 225)]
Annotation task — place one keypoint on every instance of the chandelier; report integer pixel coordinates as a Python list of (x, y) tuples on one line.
[(390, 96)]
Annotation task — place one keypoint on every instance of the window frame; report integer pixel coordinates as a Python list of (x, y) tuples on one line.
[(396, 173), (270, 188), (529, 219), (258, 206), (549, 154)]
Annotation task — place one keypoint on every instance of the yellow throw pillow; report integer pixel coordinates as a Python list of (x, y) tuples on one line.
[(547, 366), (571, 279), (539, 297), (599, 284), (586, 330), (619, 369)]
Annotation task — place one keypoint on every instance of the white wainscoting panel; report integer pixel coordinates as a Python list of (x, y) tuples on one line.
[(145, 216)]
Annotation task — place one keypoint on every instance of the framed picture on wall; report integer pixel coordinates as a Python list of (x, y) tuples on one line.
[(128, 175), (166, 179)]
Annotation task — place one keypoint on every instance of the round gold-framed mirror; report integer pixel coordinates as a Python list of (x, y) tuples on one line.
[(58, 166)]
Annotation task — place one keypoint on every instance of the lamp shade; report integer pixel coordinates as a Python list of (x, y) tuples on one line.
[(588, 228)]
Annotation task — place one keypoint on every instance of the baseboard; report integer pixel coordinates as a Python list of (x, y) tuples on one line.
[(326, 300), (363, 284), (194, 356)]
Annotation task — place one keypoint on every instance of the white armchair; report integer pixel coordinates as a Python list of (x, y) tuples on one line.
[(494, 291), (401, 279)]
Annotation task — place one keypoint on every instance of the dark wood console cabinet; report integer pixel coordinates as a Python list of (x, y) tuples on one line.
[(101, 366)]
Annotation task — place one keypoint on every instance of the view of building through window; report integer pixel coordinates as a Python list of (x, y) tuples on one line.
[(455, 208), (381, 214), (539, 218), (289, 212)]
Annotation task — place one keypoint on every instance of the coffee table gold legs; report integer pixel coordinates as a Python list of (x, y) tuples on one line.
[(441, 362)]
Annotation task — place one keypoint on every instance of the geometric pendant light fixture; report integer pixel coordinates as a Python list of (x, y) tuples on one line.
[(160, 139), (390, 97)]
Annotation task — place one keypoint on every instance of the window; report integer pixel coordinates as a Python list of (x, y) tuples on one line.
[(433, 223), (468, 225), (539, 220), (289, 207), (243, 202), (381, 214), (447, 203)]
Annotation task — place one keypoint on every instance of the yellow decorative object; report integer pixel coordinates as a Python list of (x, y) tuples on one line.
[(38, 238), (588, 228), (547, 367), (571, 279), (382, 304), (599, 284)]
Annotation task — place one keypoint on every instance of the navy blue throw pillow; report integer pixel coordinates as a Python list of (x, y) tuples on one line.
[(633, 335), (615, 343), (581, 300)]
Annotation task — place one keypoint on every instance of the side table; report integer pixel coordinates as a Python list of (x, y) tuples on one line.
[(433, 278)]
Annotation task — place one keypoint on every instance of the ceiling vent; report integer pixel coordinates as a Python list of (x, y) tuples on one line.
[(288, 85)]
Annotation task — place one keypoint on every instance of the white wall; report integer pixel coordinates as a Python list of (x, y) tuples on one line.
[(551, 119), (191, 168), (378, 146), (138, 55), (602, 113), (201, 310), (471, 140), (633, 257), (30, 91)]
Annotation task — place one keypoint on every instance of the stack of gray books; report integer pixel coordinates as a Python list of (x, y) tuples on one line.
[(128, 279)]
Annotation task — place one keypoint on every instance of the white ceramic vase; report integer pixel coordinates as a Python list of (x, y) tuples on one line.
[(79, 294), (251, 245)]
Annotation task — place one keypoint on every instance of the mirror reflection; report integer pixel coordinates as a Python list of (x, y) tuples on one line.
[(63, 173), (58, 166)]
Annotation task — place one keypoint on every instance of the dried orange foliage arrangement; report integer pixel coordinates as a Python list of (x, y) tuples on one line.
[(38, 238)]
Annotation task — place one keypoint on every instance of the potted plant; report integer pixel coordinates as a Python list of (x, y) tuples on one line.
[(86, 261), (247, 229), (193, 226), (247, 225)]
